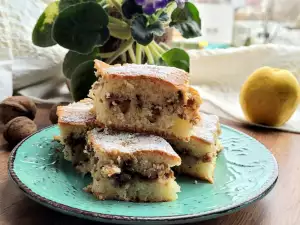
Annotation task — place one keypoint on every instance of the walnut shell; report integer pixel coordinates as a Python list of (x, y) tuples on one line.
[(17, 129), (52, 115), (15, 106)]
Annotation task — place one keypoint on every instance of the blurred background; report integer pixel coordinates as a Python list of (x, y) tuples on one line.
[(245, 22), (226, 25)]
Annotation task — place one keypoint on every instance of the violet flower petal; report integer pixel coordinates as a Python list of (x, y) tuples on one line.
[(140, 2), (150, 6), (149, 9)]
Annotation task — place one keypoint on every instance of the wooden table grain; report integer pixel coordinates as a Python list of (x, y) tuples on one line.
[(280, 207)]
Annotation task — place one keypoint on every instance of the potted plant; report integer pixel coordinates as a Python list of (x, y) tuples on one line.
[(115, 31)]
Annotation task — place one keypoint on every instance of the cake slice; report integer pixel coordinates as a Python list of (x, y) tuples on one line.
[(145, 98), (74, 120), (131, 166), (199, 154)]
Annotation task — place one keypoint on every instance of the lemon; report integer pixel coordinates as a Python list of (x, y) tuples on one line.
[(270, 96)]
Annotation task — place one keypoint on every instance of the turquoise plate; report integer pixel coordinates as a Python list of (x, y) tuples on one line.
[(246, 171)]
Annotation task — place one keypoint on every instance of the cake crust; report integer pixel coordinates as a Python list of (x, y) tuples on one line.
[(204, 139), (208, 129), (197, 168), (200, 153), (120, 143), (77, 113), (131, 166), (145, 98), (162, 74)]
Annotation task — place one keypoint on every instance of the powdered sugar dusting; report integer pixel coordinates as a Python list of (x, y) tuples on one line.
[(130, 142), (207, 128), (78, 112), (170, 74)]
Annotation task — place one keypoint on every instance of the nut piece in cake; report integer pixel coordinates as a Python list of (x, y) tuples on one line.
[(145, 98), (131, 167), (74, 120), (199, 154)]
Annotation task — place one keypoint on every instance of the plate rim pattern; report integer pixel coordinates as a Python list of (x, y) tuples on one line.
[(263, 191)]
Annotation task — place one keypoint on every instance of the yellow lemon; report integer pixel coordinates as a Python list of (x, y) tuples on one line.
[(270, 96)]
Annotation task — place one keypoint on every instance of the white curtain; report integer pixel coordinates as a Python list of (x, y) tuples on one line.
[(29, 64), (283, 10)]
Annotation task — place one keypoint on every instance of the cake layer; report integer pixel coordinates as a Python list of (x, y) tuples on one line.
[(77, 113), (145, 98), (117, 152), (204, 139), (208, 129), (131, 167), (199, 168), (74, 120), (115, 144), (149, 155), (137, 190), (199, 154)]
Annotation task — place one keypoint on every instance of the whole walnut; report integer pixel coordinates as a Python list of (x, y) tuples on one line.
[(52, 115), (17, 129), (15, 106)]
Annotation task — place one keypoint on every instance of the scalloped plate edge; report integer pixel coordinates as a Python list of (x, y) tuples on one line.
[(189, 218)]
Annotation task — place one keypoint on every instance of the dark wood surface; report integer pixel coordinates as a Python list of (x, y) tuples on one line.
[(280, 207)]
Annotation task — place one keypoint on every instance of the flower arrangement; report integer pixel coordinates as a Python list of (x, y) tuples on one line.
[(115, 31)]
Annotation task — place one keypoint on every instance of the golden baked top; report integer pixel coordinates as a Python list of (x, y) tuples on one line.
[(117, 143), (207, 129), (77, 113), (171, 75)]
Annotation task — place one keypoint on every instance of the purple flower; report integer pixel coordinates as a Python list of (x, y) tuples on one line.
[(150, 6), (180, 3)]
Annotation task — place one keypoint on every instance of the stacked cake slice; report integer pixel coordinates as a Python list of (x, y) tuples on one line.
[(119, 135), (199, 154), (74, 121), (124, 166), (131, 166), (146, 98)]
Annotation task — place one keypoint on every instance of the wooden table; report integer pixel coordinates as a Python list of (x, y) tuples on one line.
[(280, 207)]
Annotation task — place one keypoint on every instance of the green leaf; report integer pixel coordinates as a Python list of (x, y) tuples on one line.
[(63, 4), (82, 80), (163, 17), (248, 41), (187, 20), (156, 28), (81, 27), (139, 30), (42, 32), (176, 57), (130, 8), (73, 60), (143, 33)]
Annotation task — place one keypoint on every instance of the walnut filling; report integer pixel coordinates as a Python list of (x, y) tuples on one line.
[(155, 113), (73, 141), (139, 101), (123, 172), (205, 158), (77, 145), (191, 102), (180, 96), (124, 106), (115, 101), (125, 177)]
